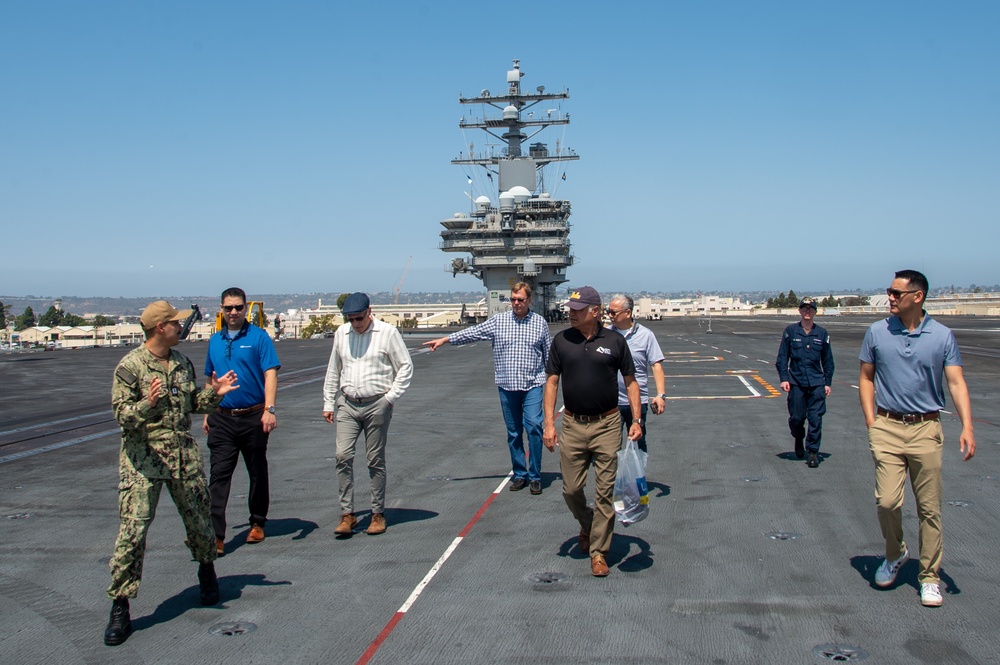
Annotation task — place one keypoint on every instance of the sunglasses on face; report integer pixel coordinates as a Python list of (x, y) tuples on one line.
[(355, 319), (612, 312), (896, 293), (233, 308), (518, 299)]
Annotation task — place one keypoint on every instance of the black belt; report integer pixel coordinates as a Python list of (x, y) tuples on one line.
[(591, 419), (909, 417), (364, 400), (241, 412)]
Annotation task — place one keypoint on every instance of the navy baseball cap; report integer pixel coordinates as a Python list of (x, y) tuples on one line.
[(356, 303), (807, 302), (583, 297)]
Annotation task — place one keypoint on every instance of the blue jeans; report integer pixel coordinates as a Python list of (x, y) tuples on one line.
[(626, 412), (522, 412)]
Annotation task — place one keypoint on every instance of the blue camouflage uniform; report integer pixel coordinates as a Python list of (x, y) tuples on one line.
[(805, 360)]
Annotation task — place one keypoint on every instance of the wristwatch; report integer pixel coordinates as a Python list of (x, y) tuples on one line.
[(662, 395), (270, 409)]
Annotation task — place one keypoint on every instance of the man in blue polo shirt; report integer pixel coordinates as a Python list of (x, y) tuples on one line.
[(903, 358), (805, 369), (242, 423), (520, 350)]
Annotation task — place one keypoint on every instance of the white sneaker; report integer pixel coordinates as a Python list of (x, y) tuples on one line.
[(886, 573), (930, 595)]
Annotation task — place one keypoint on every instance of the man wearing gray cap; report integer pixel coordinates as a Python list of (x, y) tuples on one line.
[(369, 370), (153, 394), (590, 357)]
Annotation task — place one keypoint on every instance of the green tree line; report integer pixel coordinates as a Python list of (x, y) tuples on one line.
[(792, 300), (52, 318)]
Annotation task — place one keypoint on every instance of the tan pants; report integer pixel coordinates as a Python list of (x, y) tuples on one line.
[(898, 448), (583, 445)]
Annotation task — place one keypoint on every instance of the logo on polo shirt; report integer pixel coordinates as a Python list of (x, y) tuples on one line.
[(604, 350)]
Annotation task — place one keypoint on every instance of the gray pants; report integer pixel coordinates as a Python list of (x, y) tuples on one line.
[(353, 418)]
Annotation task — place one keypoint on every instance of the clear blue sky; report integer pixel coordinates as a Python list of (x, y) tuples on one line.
[(177, 148)]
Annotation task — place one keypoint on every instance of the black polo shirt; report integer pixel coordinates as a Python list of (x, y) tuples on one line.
[(589, 369)]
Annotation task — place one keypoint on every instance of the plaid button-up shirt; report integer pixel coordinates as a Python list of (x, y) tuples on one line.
[(520, 348)]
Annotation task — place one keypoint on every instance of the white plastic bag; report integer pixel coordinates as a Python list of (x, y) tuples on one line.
[(631, 497)]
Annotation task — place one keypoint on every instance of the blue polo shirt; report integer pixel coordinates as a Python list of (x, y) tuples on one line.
[(251, 353), (909, 366)]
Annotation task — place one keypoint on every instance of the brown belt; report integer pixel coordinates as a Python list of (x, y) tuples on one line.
[(909, 417), (240, 412), (591, 419)]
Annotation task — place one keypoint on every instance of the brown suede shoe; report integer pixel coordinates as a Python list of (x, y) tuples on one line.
[(256, 534), (347, 524), (220, 546), (377, 525), (598, 566), (585, 542)]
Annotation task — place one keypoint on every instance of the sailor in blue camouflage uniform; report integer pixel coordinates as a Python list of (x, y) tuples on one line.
[(805, 369), (153, 395)]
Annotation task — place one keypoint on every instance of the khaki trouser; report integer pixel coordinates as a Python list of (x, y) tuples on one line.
[(354, 419), (584, 444), (137, 499), (899, 447)]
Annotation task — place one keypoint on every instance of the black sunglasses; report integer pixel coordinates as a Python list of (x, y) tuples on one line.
[(233, 308), (897, 294)]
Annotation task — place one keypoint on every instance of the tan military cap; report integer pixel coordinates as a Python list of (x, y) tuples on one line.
[(161, 312)]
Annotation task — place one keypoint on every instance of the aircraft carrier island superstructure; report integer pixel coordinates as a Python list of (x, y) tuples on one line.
[(524, 234)]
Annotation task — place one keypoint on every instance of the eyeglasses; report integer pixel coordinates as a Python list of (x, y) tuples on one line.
[(612, 312), (897, 294), (513, 299), (233, 308), (355, 319)]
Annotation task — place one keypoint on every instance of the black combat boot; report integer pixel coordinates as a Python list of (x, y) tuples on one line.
[(120, 625), (209, 584)]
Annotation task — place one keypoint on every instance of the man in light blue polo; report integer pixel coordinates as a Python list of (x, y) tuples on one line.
[(648, 359), (521, 343), (903, 361)]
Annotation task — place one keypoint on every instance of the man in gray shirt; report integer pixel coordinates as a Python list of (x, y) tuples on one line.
[(903, 359)]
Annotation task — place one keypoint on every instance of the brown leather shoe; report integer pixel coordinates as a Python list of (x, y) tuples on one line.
[(585, 542), (256, 534), (598, 566), (377, 525), (220, 546), (347, 524)]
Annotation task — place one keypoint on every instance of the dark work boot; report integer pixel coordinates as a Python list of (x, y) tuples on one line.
[(813, 460), (800, 449), (120, 625), (209, 584)]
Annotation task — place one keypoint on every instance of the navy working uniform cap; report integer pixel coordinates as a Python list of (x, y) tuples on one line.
[(807, 302), (356, 303), (583, 297), (161, 312)]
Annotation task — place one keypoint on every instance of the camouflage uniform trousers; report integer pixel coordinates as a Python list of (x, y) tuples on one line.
[(137, 499)]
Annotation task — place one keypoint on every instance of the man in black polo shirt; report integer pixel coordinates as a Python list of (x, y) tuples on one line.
[(590, 357)]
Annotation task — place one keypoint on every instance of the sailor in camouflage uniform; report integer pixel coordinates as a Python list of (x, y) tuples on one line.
[(153, 395)]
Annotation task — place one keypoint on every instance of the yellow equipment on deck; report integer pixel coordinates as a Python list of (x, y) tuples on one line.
[(255, 315)]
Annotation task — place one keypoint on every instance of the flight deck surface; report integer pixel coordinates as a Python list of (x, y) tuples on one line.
[(747, 556)]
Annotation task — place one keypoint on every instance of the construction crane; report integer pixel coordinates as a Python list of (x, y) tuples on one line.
[(399, 284)]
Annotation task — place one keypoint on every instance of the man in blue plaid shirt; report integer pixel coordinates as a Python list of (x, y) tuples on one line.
[(520, 350)]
